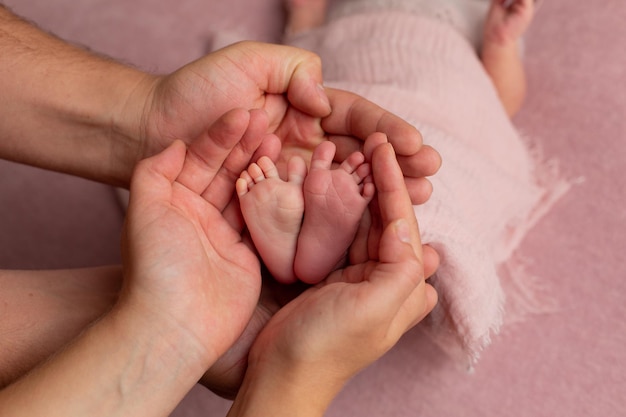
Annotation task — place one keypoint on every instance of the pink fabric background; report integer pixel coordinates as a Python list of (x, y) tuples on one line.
[(571, 362)]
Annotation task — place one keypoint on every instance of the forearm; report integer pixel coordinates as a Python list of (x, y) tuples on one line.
[(43, 310), (123, 365), (62, 108), (503, 62)]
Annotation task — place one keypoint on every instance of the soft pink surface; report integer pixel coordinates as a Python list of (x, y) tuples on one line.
[(568, 363)]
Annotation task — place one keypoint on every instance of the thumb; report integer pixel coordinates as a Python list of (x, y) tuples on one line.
[(399, 279), (397, 250), (154, 176), (295, 71)]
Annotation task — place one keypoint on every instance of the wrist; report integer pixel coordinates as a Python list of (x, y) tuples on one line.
[(127, 125), (103, 122), (135, 369), (163, 346), (158, 330)]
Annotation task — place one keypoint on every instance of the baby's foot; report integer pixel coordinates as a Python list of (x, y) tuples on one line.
[(507, 21), (334, 200), (272, 209), (304, 15)]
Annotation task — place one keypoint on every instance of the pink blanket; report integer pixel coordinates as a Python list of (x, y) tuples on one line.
[(490, 190)]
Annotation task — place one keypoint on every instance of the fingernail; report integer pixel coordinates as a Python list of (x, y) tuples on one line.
[(322, 93), (402, 229)]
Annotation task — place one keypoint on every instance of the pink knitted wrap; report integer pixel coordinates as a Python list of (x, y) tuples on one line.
[(489, 191)]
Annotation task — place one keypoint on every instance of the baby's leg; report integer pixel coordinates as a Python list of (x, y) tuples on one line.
[(272, 209), (334, 200), (505, 25)]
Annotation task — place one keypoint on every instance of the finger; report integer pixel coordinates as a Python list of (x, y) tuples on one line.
[(427, 299), (377, 225), (431, 260), (232, 214), (206, 155), (346, 145), (372, 142), (270, 147), (424, 298), (376, 229), (419, 192), (358, 252), (279, 69), (393, 198), (355, 116), (154, 176), (420, 189), (400, 251), (399, 278), (425, 163), (219, 191), (397, 246)]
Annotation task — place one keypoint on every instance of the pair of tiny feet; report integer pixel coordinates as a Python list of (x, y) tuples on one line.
[(302, 226)]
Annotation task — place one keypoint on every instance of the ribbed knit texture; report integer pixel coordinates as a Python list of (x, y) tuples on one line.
[(489, 191), (465, 16)]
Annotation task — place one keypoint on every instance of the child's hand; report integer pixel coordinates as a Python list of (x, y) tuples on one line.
[(507, 21)]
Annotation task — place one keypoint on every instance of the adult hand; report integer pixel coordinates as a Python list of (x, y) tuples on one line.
[(246, 75), (187, 270), (314, 344), (190, 287), (284, 81), (352, 121)]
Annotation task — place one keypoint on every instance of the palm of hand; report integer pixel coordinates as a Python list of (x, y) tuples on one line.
[(186, 278), (178, 113), (336, 319)]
